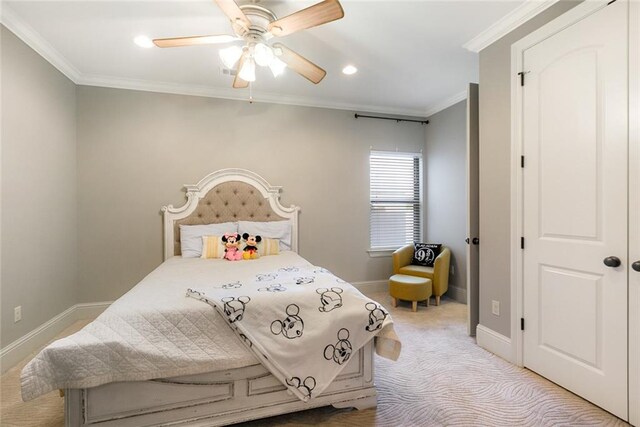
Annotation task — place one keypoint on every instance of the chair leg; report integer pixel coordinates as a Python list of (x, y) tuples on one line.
[(426, 302), (437, 300), (414, 306), (394, 302)]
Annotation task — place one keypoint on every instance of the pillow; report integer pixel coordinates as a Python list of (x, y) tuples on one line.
[(268, 247), (425, 254), (212, 247), (191, 236), (280, 230)]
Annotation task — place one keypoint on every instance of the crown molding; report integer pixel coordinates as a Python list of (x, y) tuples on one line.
[(238, 95), (446, 103), (508, 23), (35, 41), (38, 43)]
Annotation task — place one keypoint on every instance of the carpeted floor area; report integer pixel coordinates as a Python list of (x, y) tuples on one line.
[(45, 411), (441, 379)]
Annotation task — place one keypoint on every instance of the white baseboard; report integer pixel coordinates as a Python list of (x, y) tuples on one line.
[(494, 342), (368, 288), (90, 310), (458, 294), (15, 352)]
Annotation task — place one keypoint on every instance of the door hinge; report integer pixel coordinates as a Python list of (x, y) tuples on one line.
[(522, 243), (522, 323), (521, 161), (521, 74)]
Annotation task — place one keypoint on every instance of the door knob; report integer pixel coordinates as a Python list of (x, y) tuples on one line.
[(612, 261), (475, 241), (636, 266)]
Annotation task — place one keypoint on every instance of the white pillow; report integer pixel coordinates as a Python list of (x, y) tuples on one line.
[(280, 230), (191, 236)]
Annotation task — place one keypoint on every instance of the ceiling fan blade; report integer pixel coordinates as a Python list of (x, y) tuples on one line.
[(193, 41), (234, 13), (300, 64), (318, 14), (238, 83)]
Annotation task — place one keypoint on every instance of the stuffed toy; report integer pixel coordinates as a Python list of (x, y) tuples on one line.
[(251, 247), (232, 246)]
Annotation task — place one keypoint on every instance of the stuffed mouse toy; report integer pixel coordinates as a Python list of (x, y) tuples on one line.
[(232, 246), (251, 247)]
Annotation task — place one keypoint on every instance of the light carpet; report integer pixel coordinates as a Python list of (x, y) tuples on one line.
[(441, 379)]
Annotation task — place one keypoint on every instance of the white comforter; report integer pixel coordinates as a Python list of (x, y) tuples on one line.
[(155, 331)]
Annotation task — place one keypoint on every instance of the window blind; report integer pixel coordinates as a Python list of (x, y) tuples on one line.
[(395, 208)]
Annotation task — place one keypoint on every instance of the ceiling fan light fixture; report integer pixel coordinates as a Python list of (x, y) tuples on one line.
[(255, 25), (248, 70), (263, 54), (277, 67), (230, 55)]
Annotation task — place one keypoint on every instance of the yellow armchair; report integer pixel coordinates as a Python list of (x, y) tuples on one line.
[(439, 273)]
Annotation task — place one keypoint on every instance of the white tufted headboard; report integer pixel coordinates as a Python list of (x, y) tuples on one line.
[(223, 196)]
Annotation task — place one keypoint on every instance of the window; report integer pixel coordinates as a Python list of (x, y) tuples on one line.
[(395, 196)]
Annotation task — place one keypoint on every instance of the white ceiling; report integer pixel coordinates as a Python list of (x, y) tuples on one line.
[(409, 53)]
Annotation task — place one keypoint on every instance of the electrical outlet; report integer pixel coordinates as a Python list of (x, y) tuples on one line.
[(495, 307), (453, 270), (17, 314)]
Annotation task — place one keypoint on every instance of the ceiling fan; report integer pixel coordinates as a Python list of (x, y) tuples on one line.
[(256, 26)]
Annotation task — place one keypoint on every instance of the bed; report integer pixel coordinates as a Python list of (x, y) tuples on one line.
[(190, 389)]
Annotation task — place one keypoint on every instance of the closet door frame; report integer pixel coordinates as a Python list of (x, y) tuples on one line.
[(473, 197), (634, 211)]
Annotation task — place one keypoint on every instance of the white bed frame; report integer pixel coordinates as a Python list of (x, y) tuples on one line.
[(219, 397)]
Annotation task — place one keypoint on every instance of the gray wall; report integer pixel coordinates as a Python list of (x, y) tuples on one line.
[(137, 149), (446, 198), (39, 204), (495, 170)]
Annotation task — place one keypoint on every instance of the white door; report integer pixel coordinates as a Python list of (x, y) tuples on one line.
[(575, 208), (473, 214)]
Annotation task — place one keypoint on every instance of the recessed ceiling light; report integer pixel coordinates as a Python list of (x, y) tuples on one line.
[(143, 41), (349, 69)]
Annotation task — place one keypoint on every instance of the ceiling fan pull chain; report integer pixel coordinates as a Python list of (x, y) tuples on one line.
[(250, 93)]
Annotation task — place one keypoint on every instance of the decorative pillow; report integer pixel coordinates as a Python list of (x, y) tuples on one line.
[(191, 236), (425, 254), (212, 247), (268, 247), (280, 230)]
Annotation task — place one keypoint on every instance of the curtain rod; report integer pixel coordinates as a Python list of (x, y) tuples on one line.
[(423, 122)]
